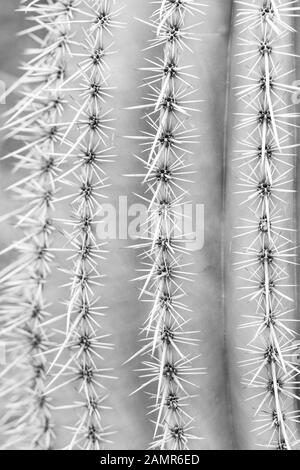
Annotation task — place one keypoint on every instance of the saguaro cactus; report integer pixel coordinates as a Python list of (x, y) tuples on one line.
[(46, 157), (216, 364)]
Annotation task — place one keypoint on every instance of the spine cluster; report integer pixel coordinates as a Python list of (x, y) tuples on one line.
[(33, 121), (166, 146), (267, 258)]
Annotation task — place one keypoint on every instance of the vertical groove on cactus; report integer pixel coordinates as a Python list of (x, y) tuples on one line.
[(87, 152), (169, 103), (265, 238), (33, 121)]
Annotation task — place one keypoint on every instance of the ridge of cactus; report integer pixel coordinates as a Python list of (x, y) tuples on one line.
[(169, 364), (267, 252), (83, 161)]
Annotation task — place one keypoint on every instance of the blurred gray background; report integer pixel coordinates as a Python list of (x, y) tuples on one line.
[(11, 52)]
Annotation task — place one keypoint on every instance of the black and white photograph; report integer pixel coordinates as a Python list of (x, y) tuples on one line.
[(149, 228)]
